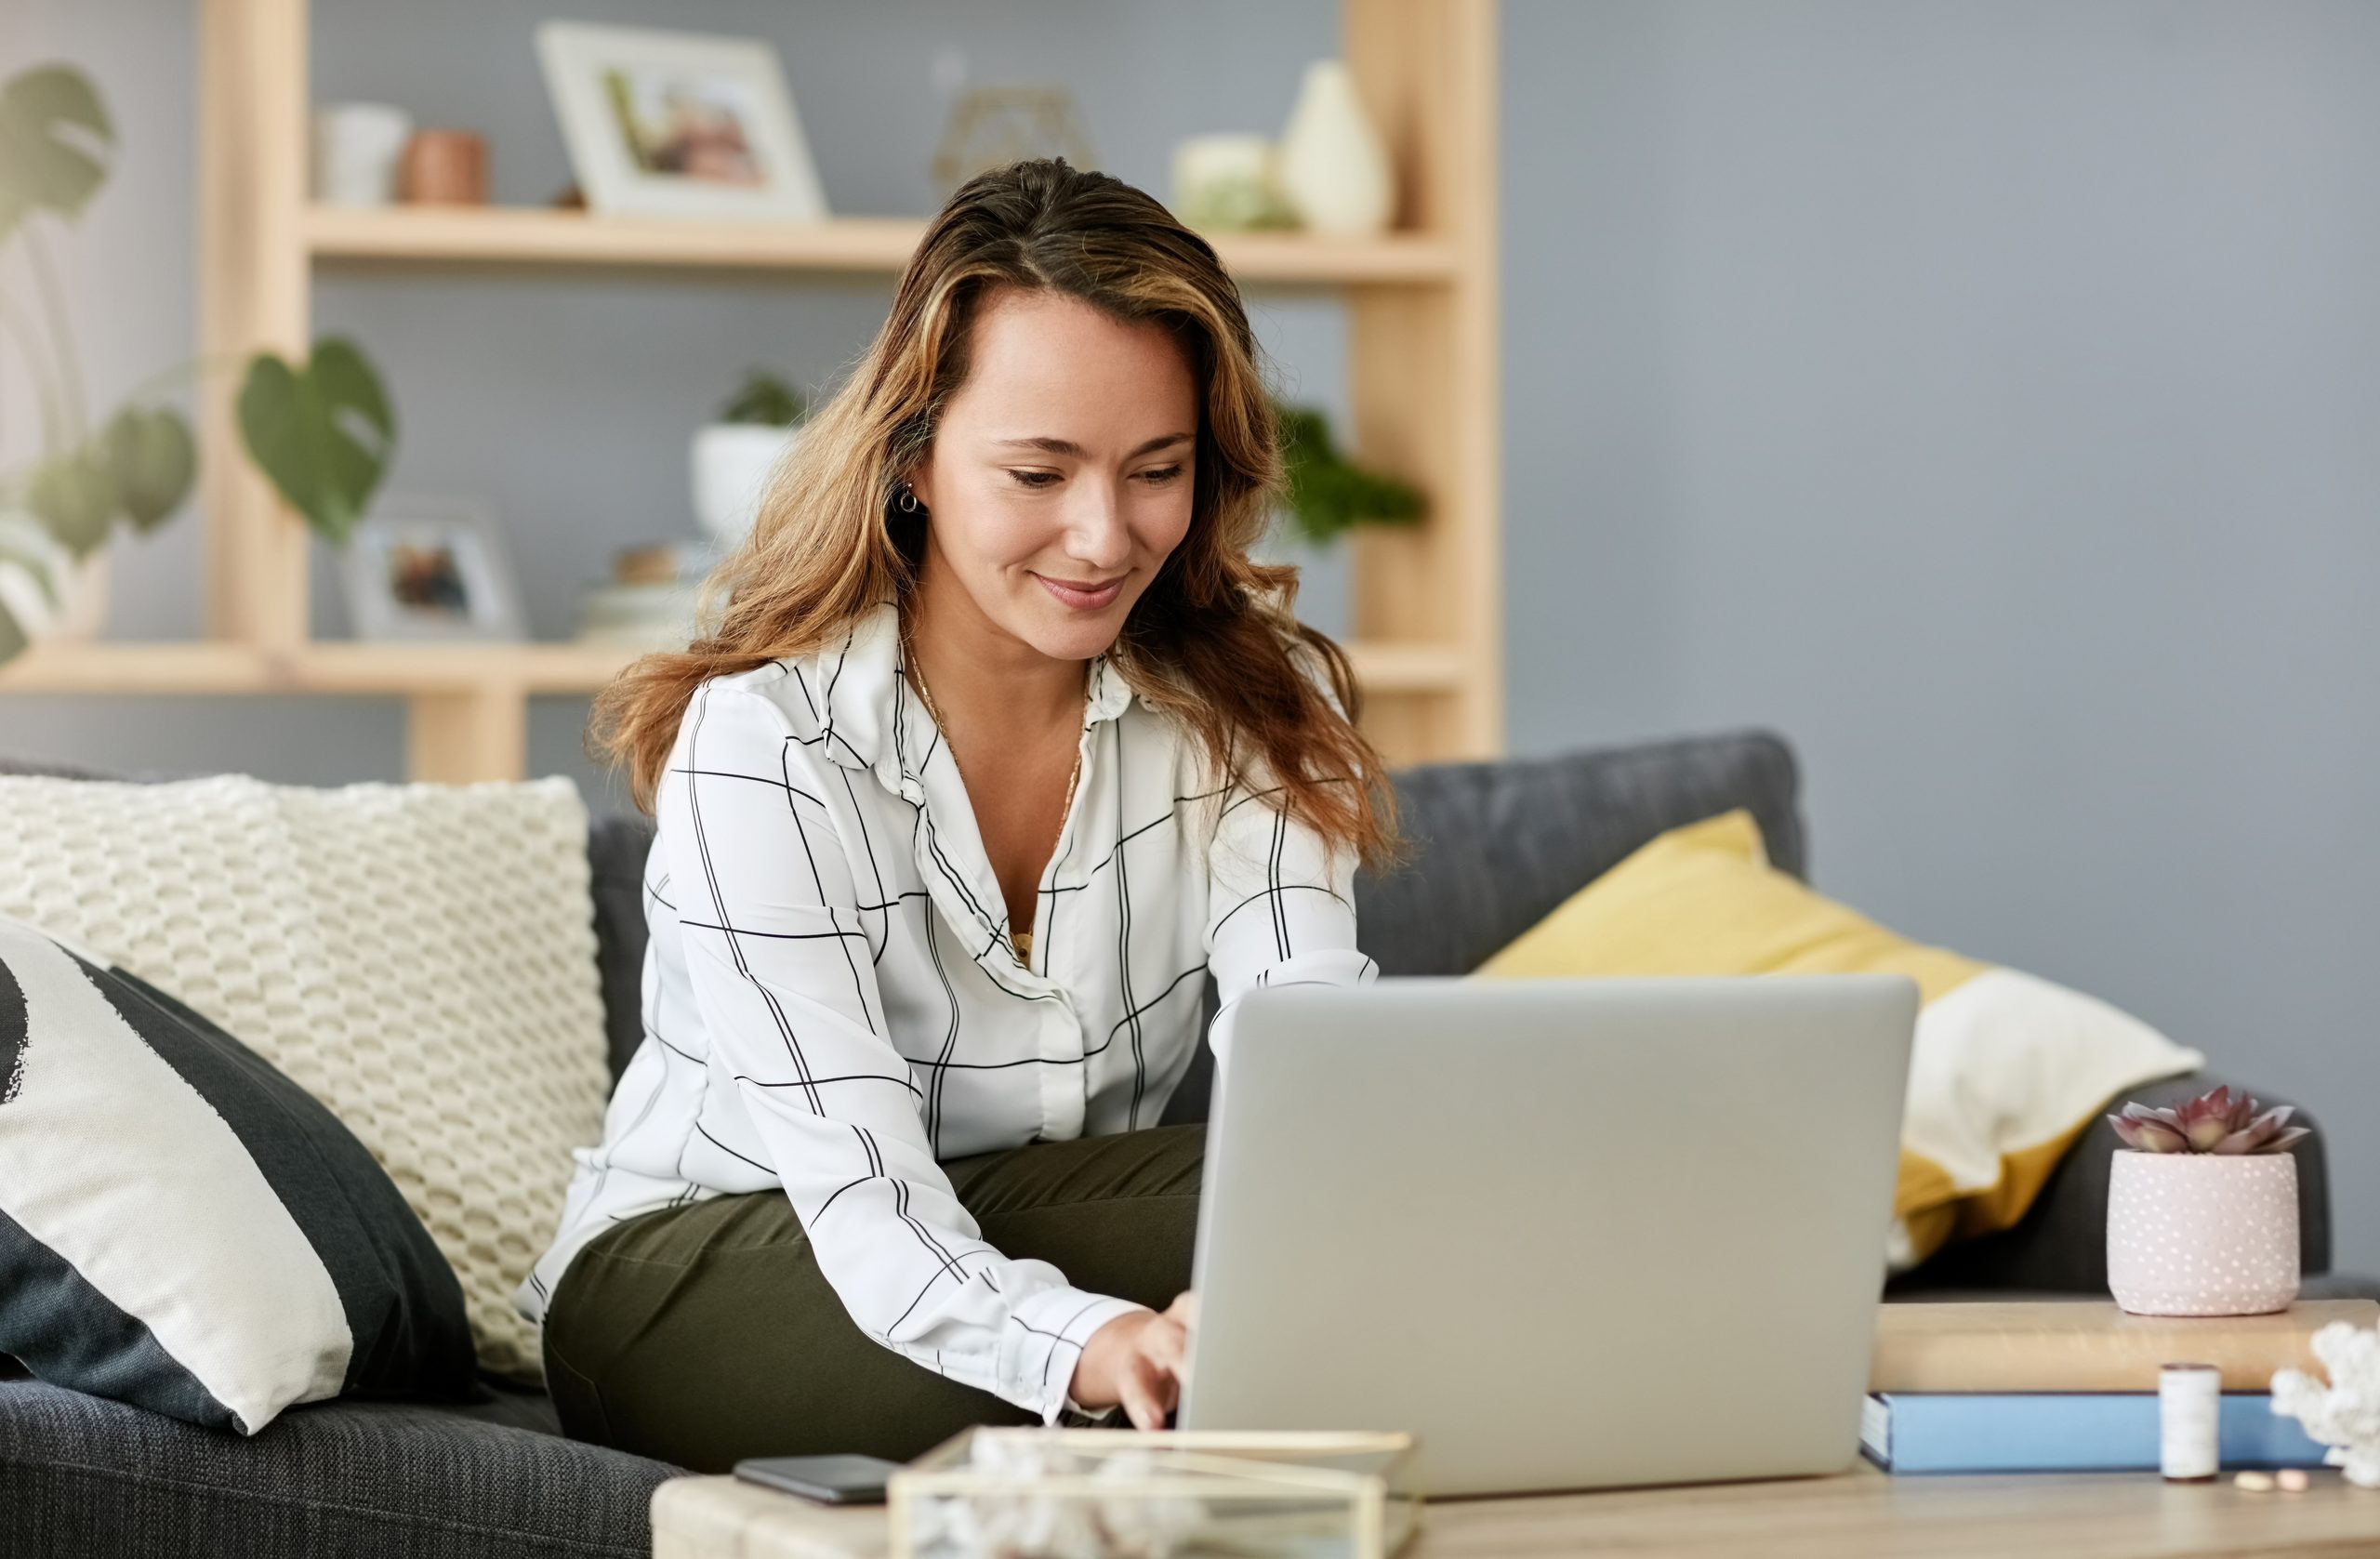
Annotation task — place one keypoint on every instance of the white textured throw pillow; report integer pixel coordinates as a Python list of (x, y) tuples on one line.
[(419, 958)]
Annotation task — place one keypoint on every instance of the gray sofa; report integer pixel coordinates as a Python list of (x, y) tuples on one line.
[(1497, 846)]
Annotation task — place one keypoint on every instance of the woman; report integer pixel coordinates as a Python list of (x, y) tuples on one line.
[(1001, 744)]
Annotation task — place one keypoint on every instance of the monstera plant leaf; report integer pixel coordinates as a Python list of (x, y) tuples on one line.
[(55, 143), (322, 434), (153, 460), (76, 496)]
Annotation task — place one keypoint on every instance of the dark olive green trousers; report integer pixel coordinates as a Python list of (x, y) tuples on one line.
[(706, 1334)]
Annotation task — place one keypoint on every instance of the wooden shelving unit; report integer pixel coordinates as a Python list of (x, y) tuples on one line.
[(229, 666), (1424, 378), (530, 235)]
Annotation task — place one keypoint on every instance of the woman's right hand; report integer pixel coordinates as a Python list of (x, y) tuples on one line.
[(1137, 1359)]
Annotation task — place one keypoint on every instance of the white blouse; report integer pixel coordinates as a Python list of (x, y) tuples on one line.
[(832, 1004)]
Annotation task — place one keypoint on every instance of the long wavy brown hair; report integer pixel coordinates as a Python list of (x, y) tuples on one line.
[(1213, 641)]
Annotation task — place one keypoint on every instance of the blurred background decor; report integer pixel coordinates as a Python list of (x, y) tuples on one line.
[(1333, 167), (1330, 495), (356, 148), (1229, 183), (444, 167), (648, 604), (669, 123), (322, 432), (548, 345), (991, 127), (734, 454), (430, 567)]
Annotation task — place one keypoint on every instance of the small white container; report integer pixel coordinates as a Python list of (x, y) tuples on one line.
[(356, 149), (2190, 1420)]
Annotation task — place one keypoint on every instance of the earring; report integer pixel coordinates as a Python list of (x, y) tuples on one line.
[(908, 499)]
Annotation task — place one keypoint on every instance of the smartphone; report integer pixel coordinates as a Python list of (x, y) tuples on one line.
[(830, 1480)]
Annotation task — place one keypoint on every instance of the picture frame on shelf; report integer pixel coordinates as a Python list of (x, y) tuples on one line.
[(669, 124), (426, 568)]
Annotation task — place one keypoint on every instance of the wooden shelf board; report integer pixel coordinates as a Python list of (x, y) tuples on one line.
[(204, 666), (540, 236)]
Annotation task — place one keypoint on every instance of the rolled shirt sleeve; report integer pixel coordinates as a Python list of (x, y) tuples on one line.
[(781, 973), (1281, 903)]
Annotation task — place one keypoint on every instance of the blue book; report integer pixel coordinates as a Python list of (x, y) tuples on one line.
[(2061, 1431)]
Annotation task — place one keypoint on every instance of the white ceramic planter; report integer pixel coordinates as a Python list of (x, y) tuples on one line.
[(2201, 1233), (731, 463), (45, 589), (86, 617)]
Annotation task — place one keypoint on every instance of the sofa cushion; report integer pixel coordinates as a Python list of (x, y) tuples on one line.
[(183, 1227), (2006, 1069), (616, 845), (419, 958), (1495, 847), (1492, 847), (98, 1479)]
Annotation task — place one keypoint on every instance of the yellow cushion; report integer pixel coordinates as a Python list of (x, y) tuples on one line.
[(1703, 899), (2006, 1070)]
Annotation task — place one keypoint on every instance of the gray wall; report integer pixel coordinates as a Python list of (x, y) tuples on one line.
[(1988, 396), (1983, 395)]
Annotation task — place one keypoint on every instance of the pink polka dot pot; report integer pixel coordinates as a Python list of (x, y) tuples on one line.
[(2202, 1234)]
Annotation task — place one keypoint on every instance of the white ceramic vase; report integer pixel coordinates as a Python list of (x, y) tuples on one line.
[(732, 462), (2202, 1234), (1334, 165)]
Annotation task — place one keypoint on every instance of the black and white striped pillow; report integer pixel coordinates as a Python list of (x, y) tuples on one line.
[(184, 1228)]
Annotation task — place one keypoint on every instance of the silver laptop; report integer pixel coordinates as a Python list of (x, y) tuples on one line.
[(1570, 1233)]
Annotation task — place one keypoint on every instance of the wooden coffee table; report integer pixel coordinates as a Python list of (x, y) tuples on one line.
[(1854, 1516)]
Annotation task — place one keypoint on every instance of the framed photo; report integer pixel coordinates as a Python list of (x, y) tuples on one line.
[(430, 568), (664, 124)]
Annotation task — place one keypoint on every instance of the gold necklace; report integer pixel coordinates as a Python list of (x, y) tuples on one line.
[(1020, 940)]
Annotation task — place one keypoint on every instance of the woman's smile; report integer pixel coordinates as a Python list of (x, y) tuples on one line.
[(1083, 595)]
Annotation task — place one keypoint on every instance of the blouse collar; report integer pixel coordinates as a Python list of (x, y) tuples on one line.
[(870, 719)]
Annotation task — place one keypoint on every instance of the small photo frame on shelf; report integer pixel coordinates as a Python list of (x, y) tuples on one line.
[(426, 568), (664, 124)]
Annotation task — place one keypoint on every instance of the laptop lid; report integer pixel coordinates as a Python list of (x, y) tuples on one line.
[(1570, 1233)]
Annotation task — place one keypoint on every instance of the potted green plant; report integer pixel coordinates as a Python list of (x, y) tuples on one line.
[(322, 431), (2202, 1208), (734, 454), (1330, 493)]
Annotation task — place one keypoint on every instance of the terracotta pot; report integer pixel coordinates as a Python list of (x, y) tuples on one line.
[(444, 167), (2202, 1234)]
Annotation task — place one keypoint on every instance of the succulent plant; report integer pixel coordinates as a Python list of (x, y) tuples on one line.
[(2216, 1122)]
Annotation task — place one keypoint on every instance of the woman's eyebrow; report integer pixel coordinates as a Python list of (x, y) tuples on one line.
[(1067, 446)]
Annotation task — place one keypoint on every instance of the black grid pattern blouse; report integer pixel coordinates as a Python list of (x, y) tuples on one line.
[(832, 1003)]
